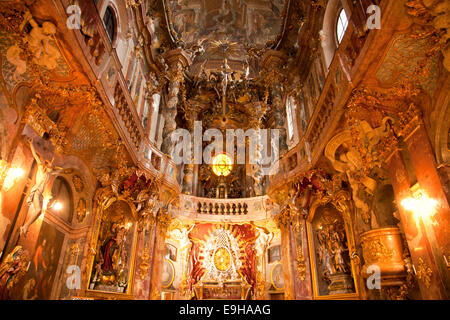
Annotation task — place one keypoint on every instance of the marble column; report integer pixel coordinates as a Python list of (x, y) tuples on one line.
[(430, 286), (159, 245), (438, 227), (302, 282), (188, 170), (288, 261), (178, 61)]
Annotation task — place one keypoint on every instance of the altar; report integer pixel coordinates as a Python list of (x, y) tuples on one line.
[(228, 290)]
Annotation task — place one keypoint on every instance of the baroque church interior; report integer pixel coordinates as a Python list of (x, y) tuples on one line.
[(335, 185)]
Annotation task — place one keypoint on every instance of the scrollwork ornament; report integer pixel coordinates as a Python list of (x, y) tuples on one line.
[(375, 251), (424, 273)]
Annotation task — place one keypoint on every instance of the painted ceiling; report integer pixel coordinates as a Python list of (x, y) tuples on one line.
[(247, 23)]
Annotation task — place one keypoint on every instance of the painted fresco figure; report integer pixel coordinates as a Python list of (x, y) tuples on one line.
[(36, 197)]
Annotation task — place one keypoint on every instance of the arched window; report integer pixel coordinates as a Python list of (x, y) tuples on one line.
[(290, 120), (110, 23), (341, 25)]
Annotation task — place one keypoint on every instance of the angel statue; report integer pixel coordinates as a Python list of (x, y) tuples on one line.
[(35, 199), (12, 269)]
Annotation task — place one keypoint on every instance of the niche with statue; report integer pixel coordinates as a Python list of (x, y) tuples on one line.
[(113, 264), (332, 268)]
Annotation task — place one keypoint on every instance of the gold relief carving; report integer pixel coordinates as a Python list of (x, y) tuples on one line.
[(74, 251), (290, 211), (155, 295), (409, 121), (163, 221), (433, 15), (396, 293), (37, 119), (260, 285), (81, 210), (133, 3), (424, 273), (375, 251), (300, 264), (144, 265), (78, 183)]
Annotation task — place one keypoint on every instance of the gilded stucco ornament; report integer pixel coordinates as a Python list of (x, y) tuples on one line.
[(424, 273), (375, 251), (434, 17)]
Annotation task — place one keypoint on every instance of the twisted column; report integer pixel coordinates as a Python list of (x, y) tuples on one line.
[(177, 61)]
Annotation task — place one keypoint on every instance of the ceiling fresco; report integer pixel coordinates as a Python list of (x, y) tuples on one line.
[(248, 23)]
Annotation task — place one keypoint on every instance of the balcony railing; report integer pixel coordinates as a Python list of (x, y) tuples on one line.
[(245, 209), (330, 106)]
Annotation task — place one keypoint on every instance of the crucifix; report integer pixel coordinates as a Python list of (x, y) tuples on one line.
[(227, 75)]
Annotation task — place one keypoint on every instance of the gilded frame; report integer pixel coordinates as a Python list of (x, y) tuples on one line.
[(173, 274), (93, 245), (271, 276)]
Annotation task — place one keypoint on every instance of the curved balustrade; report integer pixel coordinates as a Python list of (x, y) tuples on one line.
[(102, 60), (245, 209)]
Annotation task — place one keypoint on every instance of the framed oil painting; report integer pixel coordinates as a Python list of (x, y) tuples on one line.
[(44, 263)]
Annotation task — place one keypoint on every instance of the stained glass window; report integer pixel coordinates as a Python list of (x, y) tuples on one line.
[(222, 165)]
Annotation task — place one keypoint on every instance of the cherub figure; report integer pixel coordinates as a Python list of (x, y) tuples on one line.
[(35, 199)]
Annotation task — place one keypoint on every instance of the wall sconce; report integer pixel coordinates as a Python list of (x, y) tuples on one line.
[(420, 204), (12, 175), (57, 206)]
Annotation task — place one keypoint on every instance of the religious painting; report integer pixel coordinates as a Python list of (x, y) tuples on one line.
[(114, 261), (274, 254), (44, 263), (171, 252), (332, 269)]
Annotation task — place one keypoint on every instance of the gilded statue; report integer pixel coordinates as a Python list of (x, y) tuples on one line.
[(331, 250), (35, 199)]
